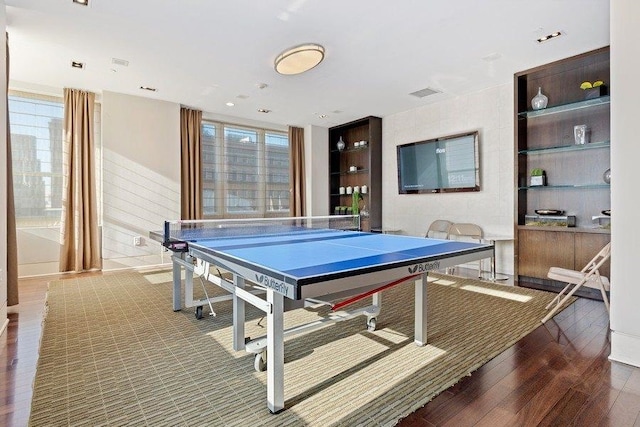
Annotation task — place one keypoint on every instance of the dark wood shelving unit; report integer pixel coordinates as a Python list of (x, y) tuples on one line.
[(574, 172), (368, 161)]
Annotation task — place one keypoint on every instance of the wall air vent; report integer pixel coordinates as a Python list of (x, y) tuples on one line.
[(424, 92)]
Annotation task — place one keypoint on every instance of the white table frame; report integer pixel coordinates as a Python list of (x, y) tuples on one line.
[(274, 307)]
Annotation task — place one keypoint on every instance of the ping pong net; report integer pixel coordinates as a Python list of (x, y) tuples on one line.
[(178, 233)]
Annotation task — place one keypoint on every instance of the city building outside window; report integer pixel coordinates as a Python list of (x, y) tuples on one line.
[(245, 171), (36, 149)]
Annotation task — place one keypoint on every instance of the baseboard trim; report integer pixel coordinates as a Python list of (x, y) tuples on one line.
[(625, 348)]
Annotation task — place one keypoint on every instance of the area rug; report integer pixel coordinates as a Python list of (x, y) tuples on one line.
[(114, 353)]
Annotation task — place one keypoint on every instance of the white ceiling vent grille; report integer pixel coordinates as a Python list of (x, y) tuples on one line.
[(424, 92)]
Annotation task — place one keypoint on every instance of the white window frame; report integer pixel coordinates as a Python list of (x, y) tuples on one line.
[(221, 176)]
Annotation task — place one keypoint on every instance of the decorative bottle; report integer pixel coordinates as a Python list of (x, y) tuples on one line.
[(539, 101), (340, 145)]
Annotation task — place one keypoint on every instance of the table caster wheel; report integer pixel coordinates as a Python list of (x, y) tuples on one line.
[(199, 312), (371, 324), (260, 362)]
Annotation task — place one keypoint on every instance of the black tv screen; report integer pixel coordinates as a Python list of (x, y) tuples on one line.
[(441, 165)]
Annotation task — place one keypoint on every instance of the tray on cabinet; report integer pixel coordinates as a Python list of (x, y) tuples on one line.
[(550, 220)]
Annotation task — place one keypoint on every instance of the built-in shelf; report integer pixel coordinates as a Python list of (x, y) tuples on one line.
[(347, 150), (587, 103), (544, 139), (348, 195), (368, 161), (351, 172), (558, 187), (566, 148)]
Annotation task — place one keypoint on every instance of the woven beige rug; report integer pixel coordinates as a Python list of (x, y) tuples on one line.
[(114, 353)]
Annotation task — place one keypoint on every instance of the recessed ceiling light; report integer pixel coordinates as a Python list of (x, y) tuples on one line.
[(299, 59), (82, 2), (549, 37), (322, 116), (150, 89), (263, 110), (230, 104), (77, 64)]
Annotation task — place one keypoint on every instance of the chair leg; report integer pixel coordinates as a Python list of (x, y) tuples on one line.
[(605, 298), (561, 303), (556, 299)]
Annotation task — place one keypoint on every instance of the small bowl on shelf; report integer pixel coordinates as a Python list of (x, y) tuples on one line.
[(549, 211)]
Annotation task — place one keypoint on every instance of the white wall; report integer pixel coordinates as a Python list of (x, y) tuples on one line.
[(489, 111), (141, 176), (625, 152), (3, 167)]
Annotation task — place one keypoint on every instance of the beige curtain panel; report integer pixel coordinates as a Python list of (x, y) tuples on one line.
[(296, 171), (80, 242), (12, 244), (190, 162)]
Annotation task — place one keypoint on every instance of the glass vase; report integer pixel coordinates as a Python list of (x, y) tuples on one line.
[(539, 101)]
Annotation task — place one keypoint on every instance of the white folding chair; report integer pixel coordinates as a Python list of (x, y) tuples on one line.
[(467, 232), (439, 229), (589, 276)]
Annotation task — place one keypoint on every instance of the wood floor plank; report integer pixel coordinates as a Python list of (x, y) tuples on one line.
[(564, 412), (624, 412)]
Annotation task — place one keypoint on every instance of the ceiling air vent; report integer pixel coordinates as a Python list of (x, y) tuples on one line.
[(122, 62), (424, 92)]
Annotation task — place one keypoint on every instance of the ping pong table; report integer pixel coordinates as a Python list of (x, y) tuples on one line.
[(280, 263)]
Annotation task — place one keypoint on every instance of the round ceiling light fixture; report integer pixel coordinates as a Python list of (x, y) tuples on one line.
[(299, 59)]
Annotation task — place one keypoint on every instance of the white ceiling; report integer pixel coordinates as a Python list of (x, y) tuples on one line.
[(204, 53)]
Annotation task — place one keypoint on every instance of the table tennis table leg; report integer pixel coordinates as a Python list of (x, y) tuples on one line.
[(238, 315), (275, 352), (177, 270), (420, 327)]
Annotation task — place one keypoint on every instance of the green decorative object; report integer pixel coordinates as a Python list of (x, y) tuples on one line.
[(538, 177), (355, 202)]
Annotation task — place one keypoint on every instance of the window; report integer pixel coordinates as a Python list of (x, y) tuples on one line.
[(245, 171), (36, 150)]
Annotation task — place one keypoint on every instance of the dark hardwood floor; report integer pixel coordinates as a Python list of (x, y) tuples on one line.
[(558, 375)]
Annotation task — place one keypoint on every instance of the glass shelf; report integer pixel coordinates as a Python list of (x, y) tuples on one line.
[(347, 195), (567, 186), (564, 148), (603, 100), (347, 150), (350, 173)]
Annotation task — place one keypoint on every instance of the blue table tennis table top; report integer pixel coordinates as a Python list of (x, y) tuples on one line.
[(312, 255)]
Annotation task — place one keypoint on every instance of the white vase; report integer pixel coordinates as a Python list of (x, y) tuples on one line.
[(539, 101), (340, 145)]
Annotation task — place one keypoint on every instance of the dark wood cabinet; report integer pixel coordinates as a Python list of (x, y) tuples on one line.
[(574, 171), (366, 159)]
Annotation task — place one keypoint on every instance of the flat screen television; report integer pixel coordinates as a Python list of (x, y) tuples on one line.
[(442, 165)]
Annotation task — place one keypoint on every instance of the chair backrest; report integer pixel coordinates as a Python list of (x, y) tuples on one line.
[(465, 231), (600, 258), (439, 229)]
